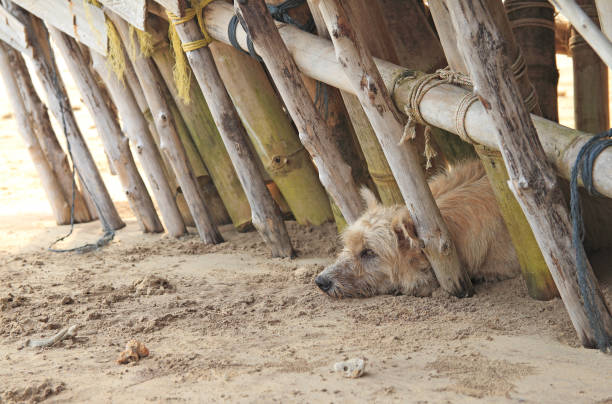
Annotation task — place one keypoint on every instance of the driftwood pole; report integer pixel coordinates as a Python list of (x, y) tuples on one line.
[(136, 127), (266, 215), (315, 135), (540, 284), (170, 143), (374, 96), (115, 142), (48, 73), (532, 180), (10, 61), (56, 157), (272, 134), (591, 105)]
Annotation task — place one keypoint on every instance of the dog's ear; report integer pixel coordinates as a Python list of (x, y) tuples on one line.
[(405, 231), (368, 198)]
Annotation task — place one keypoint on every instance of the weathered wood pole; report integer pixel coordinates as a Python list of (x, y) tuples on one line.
[(170, 143), (207, 140), (533, 182), (10, 61), (137, 129), (48, 73), (272, 134), (540, 284), (533, 26), (315, 135), (374, 96), (266, 215), (591, 105), (115, 142), (56, 157)]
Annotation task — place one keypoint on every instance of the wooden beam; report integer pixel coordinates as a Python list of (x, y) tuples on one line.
[(14, 33), (361, 71), (266, 215), (604, 10), (84, 22), (532, 180), (316, 58), (133, 11), (174, 6)]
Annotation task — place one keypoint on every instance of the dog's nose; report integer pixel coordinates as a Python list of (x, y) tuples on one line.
[(323, 283)]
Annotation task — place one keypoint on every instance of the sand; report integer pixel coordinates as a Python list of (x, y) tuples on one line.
[(228, 323)]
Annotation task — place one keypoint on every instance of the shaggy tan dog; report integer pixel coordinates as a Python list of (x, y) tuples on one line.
[(382, 253)]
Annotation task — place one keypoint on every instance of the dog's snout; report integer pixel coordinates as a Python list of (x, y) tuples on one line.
[(323, 283)]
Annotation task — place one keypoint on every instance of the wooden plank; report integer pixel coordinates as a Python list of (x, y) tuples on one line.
[(13, 32), (133, 11), (604, 10), (85, 23)]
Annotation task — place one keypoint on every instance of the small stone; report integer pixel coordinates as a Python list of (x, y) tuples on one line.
[(67, 300), (352, 368)]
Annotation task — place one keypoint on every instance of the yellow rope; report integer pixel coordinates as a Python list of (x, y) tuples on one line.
[(145, 41), (115, 57), (181, 72)]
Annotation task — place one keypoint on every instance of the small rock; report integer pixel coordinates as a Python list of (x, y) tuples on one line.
[(352, 368), (134, 351), (67, 300)]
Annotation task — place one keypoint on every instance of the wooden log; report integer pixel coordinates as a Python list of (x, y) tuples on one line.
[(540, 284), (265, 213), (271, 132), (374, 96), (591, 105), (586, 27), (208, 142), (49, 144), (563, 30), (334, 173), (114, 141), (170, 143), (11, 60), (13, 32), (533, 181), (533, 26), (439, 106), (44, 64), (137, 129)]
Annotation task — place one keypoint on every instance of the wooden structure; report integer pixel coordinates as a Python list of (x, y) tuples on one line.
[(247, 131)]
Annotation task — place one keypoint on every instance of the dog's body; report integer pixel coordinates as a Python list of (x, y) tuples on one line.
[(382, 253)]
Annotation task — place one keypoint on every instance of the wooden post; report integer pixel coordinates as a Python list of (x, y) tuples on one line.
[(48, 73), (266, 215), (334, 173), (591, 105), (170, 143), (208, 142), (55, 155), (374, 96), (533, 181), (136, 127), (115, 142), (272, 134), (540, 284), (10, 61)]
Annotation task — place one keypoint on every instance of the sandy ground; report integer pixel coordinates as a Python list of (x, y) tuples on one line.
[(230, 324)]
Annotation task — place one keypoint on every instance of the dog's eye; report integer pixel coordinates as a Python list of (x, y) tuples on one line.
[(367, 253)]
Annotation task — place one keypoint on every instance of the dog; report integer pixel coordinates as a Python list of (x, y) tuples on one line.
[(383, 254)]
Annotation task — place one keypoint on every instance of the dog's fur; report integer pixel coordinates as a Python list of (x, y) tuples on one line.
[(383, 254)]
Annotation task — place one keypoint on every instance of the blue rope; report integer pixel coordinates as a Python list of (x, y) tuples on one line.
[(584, 167)]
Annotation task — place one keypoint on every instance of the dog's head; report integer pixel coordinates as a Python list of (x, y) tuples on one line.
[(382, 254)]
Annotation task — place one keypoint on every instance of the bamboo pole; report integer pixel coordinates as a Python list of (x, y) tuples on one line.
[(272, 134), (48, 73), (533, 181), (170, 143), (114, 141), (374, 96), (11, 61), (315, 135), (136, 127), (55, 155), (265, 213), (540, 284), (208, 142), (316, 58), (591, 105)]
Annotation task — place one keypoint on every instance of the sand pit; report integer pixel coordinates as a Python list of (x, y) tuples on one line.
[(227, 323)]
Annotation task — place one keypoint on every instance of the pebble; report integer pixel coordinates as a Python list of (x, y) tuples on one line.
[(352, 368)]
